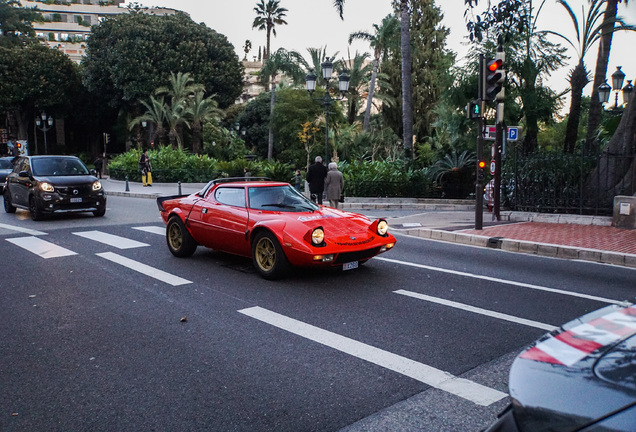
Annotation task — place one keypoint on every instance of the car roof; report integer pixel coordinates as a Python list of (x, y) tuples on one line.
[(241, 181)]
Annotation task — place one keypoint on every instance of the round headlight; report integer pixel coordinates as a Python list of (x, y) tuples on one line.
[(383, 227), (97, 185), (317, 236), (47, 187)]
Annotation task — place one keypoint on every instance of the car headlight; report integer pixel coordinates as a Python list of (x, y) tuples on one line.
[(97, 186), (318, 236), (383, 227), (47, 187)]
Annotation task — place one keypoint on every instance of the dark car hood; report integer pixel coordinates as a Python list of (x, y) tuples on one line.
[(575, 375), (75, 180)]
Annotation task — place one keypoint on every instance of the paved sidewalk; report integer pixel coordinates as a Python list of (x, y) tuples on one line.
[(589, 238)]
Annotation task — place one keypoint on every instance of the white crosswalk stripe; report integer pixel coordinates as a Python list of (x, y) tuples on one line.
[(111, 240), (152, 229), (144, 269), (40, 247), (21, 230), (472, 391)]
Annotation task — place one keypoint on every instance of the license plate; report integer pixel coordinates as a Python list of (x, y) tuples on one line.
[(350, 265), (75, 200)]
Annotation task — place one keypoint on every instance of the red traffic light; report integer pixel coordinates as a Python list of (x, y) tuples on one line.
[(493, 65), (482, 164)]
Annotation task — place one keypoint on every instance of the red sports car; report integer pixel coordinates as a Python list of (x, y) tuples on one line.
[(272, 223)]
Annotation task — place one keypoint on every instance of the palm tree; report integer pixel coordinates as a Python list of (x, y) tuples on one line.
[(285, 62), (587, 33), (383, 36), (609, 19), (155, 113), (358, 69), (181, 87), (199, 109), (407, 85), (268, 16)]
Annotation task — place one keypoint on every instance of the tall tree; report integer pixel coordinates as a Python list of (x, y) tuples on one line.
[(285, 62), (407, 85), (383, 36), (602, 59), (155, 113), (358, 69), (588, 32), (268, 16), (180, 89), (16, 23)]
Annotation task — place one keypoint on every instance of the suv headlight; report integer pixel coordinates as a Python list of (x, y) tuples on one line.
[(47, 187), (97, 186)]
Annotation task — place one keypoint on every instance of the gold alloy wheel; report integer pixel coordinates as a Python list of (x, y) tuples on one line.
[(175, 236), (265, 254)]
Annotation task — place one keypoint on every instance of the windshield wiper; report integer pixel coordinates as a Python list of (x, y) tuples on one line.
[(278, 205)]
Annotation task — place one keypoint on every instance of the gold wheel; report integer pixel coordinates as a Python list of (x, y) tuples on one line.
[(174, 236), (265, 254), (269, 258), (179, 240)]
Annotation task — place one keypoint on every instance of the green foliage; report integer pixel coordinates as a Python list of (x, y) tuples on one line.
[(130, 55), (278, 171), (384, 179)]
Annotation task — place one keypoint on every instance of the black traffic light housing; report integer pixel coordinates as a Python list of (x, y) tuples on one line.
[(481, 170), (473, 110), (494, 79)]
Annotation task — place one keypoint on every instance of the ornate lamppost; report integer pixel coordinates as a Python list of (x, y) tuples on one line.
[(327, 100), (604, 90), (41, 122)]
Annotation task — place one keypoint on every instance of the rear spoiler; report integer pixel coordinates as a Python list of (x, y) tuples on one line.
[(161, 199)]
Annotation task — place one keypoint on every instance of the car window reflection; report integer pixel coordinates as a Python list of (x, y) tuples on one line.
[(279, 198), (58, 167)]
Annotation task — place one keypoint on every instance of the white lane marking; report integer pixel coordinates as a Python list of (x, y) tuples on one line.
[(152, 229), (22, 230), (41, 247), (508, 282), (477, 310), (472, 391), (111, 240), (144, 269)]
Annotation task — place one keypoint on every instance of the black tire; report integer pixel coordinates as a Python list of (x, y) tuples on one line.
[(99, 213), (8, 206), (180, 242), (268, 256), (34, 209)]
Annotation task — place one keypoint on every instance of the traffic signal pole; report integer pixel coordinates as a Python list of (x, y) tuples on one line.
[(479, 186), (500, 136)]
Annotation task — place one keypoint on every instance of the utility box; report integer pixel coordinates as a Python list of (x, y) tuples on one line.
[(625, 212)]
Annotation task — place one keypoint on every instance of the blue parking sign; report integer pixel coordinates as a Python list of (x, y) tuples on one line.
[(513, 133)]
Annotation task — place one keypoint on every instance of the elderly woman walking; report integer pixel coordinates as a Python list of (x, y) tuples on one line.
[(334, 184)]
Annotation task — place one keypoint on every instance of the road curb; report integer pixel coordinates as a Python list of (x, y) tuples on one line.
[(526, 247)]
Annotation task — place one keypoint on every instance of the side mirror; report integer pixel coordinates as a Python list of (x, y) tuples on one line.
[(23, 174), (93, 172)]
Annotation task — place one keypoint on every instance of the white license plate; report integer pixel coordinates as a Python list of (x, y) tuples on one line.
[(74, 200), (350, 265)]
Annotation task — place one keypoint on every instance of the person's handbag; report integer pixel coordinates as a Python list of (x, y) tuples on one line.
[(341, 197)]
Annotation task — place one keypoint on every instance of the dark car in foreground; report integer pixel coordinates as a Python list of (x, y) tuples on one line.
[(581, 377), (53, 184), (6, 166), (272, 223)]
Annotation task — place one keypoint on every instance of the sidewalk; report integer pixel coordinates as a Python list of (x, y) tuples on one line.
[(588, 238)]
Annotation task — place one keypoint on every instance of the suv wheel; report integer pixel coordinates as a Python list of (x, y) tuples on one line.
[(8, 206)]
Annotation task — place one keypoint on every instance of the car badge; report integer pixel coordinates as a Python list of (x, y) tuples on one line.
[(352, 238), (75, 191)]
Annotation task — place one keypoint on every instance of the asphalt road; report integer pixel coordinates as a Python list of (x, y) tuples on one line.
[(103, 329)]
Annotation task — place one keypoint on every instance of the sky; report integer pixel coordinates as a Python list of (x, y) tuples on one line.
[(315, 24)]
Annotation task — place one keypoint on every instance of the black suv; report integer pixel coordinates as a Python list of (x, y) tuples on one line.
[(53, 184)]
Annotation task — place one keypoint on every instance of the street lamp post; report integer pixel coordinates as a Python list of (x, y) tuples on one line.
[(327, 100), (41, 122)]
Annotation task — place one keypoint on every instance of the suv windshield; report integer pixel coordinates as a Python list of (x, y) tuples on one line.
[(58, 166), (279, 198)]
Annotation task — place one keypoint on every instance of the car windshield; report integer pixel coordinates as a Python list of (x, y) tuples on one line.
[(279, 198), (58, 166), (5, 164)]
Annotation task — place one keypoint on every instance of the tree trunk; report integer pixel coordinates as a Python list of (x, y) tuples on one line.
[(578, 81), (616, 169), (196, 138), (367, 113), (604, 47), (407, 87), (529, 106), (270, 140)]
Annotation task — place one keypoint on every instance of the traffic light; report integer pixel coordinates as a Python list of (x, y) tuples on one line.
[(106, 138), (473, 110), (481, 170), (494, 79)]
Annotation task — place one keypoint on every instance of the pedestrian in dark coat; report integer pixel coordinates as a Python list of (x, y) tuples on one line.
[(99, 164), (334, 185), (316, 178)]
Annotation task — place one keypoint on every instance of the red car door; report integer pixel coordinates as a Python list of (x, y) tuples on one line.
[(219, 221)]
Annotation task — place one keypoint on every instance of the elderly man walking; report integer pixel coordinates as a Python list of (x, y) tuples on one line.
[(316, 178)]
